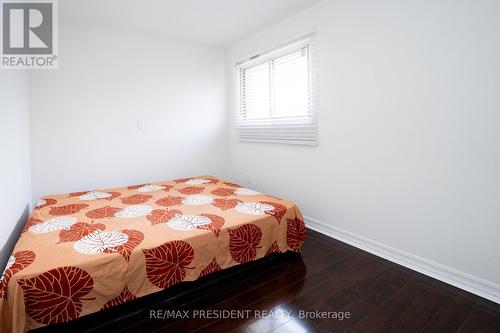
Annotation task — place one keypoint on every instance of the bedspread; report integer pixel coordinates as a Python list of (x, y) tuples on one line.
[(86, 251)]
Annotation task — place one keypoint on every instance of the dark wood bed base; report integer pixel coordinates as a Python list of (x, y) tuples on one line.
[(137, 310)]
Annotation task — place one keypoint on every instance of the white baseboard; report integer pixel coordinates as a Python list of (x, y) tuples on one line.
[(472, 284)]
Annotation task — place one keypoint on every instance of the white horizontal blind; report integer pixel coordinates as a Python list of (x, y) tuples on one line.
[(277, 101), (255, 93)]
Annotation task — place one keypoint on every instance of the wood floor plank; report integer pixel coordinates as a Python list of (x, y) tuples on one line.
[(357, 310), (481, 321), (451, 316), (423, 309), (382, 315)]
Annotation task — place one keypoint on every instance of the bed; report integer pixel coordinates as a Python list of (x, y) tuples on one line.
[(83, 252)]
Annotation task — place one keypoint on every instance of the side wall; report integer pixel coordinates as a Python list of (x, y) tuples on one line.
[(15, 183), (409, 147)]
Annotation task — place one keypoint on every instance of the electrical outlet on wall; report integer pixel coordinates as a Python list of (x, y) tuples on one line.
[(248, 178)]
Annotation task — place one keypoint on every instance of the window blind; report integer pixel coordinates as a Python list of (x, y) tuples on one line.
[(277, 101)]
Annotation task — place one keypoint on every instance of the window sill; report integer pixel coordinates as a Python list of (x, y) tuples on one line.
[(275, 141)]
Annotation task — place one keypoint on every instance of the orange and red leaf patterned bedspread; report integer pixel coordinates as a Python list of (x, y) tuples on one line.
[(86, 251)]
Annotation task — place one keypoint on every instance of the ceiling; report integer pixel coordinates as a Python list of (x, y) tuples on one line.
[(215, 22)]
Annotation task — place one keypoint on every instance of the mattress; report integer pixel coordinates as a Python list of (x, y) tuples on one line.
[(83, 252)]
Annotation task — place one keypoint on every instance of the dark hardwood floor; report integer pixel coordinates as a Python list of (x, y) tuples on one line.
[(328, 276)]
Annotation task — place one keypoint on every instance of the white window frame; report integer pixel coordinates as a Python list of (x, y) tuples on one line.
[(301, 131)]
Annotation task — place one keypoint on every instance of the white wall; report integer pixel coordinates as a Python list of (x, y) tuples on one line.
[(84, 115), (409, 111), (15, 189)]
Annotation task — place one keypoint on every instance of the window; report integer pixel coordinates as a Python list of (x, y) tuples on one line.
[(277, 101)]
